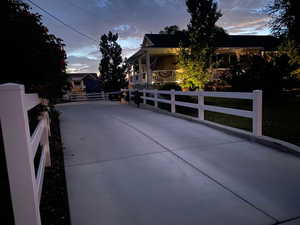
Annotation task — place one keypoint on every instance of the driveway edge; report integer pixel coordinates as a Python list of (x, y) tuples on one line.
[(264, 140)]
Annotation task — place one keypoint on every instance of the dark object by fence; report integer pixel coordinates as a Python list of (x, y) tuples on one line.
[(137, 98)]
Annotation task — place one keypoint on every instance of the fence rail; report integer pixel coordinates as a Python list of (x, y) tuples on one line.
[(20, 150), (255, 96), (87, 97)]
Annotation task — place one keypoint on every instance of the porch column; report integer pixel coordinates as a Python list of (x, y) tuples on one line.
[(238, 55), (140, 65), (149, 72), (131, 74)]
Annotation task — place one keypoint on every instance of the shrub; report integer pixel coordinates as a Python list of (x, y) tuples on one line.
[(169, 86), (256, 72)]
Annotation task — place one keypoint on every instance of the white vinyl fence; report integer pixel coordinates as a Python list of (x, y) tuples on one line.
[(20, 150), (87, 97), (255, 96)]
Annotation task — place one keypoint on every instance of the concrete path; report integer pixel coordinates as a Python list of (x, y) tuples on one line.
[(129, 166)]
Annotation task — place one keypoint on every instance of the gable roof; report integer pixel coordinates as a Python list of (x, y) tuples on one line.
[(167, 40), (230, 41), (80, 76)]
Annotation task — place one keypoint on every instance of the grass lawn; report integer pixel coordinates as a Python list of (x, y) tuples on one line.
[(281, 115)]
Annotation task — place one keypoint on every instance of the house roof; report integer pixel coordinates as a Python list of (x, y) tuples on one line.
[(167, 40), (80, 76), (266, 42), (234, 41)]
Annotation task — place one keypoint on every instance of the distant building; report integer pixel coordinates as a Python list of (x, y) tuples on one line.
[(156, 61), (82, 83)]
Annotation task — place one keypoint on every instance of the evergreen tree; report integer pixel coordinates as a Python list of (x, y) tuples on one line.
[(202, 29), (111, 70), (174, 29)]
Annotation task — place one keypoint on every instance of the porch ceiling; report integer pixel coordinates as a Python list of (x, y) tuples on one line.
[(152, 51)]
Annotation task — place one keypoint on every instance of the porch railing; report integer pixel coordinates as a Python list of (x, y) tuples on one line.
[(163, 76)]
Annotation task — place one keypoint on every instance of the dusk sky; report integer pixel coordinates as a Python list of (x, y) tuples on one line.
[(132, 19)]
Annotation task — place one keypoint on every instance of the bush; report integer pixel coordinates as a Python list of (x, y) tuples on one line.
[(169, 86), (257, 72)]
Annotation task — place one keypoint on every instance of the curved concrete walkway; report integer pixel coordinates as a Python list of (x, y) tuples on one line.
[(129, 166)]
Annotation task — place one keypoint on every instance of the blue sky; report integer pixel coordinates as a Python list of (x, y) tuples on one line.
[(132, 19)]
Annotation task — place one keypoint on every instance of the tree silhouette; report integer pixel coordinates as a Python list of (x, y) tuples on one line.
[(285, 23), (285, 18), (202, 29), (111, 70), (174, 29), (35, 58)]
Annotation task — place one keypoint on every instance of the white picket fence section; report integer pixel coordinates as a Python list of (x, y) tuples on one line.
[(20, 150), (87, 97), (255, 96)]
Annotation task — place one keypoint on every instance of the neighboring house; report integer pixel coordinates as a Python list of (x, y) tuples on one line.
[(82, 83), (156, 61)]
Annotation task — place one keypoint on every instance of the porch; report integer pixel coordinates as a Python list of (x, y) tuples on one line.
[(152, 66)]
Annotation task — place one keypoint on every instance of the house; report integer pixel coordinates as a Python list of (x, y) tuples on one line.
[(156, 61), (82, 83)]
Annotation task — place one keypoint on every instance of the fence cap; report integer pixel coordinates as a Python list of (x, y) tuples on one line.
[(11, 87)]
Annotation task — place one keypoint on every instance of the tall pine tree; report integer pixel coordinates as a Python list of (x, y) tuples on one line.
[(202, 29), (111, 70)]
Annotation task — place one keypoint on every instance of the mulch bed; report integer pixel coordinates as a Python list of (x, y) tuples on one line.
[(54, 203)]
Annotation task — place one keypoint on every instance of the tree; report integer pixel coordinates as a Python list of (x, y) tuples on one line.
[(285, 18), (195, 59), (35, 58), (257, 72), (292, 50), (174, 29), (193, 72), (111, 70), (202, 28), (285, 22)]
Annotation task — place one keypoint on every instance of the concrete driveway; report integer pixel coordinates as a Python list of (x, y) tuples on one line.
[(129, 166)]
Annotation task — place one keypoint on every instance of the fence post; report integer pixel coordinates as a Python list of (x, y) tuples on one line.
[(155, 98), (200, 106), (173, 109), (19, 156), (144, 95), (45, 139), (257, 113)]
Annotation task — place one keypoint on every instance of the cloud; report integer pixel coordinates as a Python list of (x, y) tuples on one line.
[(102, 3), (257, 26), (132, 19), (242, 16), (82, 65), (87, 51), (122, 27)]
